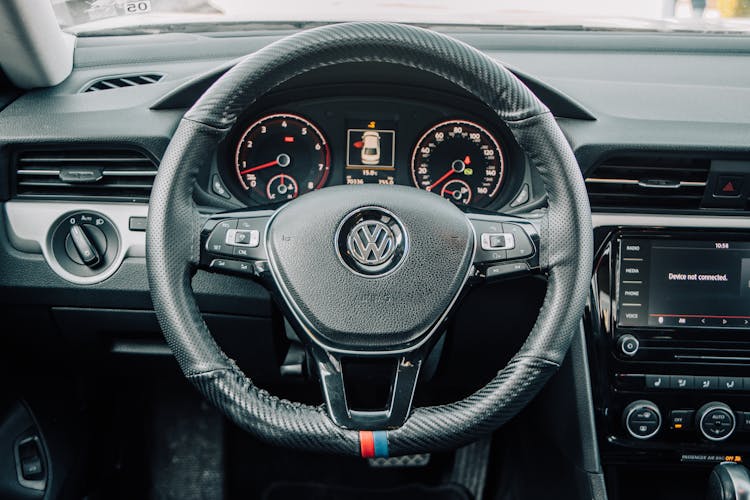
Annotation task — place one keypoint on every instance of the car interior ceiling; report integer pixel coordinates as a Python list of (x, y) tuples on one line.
[(357, 260)]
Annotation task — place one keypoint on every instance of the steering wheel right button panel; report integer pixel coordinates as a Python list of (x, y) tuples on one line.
[(502, 239)]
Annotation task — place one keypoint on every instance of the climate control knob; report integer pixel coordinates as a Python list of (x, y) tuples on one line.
[(642, 419), (715, 421)]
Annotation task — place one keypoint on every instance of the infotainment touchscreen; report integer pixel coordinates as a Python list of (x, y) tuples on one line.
[(684, 283)]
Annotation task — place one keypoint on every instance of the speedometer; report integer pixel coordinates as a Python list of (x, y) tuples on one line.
[(460, 161), (281, 156)]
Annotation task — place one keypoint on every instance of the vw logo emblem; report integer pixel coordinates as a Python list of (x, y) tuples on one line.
[(371, 242)]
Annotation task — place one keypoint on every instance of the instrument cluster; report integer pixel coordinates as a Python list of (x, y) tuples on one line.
[(287, 151)]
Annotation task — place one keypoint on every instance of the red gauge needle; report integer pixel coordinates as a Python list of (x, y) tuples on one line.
[(259, 167), (445, 176)]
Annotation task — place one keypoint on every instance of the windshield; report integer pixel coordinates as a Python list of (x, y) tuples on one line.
[(81, 16)]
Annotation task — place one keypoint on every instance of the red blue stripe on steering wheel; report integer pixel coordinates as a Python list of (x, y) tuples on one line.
[(373, 444)]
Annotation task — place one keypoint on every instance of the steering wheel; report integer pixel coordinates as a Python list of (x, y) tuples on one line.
[(353, 267)]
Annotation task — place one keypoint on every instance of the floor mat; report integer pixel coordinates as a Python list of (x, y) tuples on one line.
[(316, 491)]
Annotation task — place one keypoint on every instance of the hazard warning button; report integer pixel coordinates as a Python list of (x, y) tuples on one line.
[(728, 186)]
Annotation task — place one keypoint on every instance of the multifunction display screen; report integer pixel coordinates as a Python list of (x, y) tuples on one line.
[(682, 283)]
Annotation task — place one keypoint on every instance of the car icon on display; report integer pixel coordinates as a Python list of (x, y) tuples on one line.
[(370, 148)]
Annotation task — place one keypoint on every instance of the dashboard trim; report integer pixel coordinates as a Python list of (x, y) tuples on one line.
[(30, 223), (657, 221)]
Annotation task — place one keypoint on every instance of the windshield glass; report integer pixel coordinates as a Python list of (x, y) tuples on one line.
[(81, 16)]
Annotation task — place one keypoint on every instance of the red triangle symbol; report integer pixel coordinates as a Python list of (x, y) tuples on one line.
[(728, 187)]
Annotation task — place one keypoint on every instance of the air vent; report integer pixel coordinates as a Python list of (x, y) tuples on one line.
[(649, 182), (119, 82), (112, 175)]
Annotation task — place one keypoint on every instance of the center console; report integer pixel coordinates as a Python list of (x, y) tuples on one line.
[(669, 341)]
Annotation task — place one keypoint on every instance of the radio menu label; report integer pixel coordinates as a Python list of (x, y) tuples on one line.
[(682, 283)]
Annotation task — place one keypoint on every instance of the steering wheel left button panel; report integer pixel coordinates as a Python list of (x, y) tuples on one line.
[(232, 243)]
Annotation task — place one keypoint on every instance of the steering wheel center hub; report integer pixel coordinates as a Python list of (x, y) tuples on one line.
[(371, 242), (390, 260)]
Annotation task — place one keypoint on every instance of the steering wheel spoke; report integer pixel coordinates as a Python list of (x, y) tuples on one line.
[(400, 376), (506, 246), (233, 243)]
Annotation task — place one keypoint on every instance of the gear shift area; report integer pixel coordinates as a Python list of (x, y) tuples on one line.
[(729, 481)]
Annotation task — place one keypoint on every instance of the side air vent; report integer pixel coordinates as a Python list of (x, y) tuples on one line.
[(112, 175), (649, 182), (119, 82)]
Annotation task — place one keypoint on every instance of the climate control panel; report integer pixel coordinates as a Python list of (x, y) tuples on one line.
[(714, 421)]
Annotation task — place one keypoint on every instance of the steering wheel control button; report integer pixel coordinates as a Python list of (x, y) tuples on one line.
[(628, 345), (243, 237), (371, 242), (642, 419), (496, 241), (484, 229), (233, 266), (507, 270), (523, 247), (715, 421), (681, 420), (217, 241)]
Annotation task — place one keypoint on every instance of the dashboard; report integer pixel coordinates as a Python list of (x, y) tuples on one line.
[(287, 150)]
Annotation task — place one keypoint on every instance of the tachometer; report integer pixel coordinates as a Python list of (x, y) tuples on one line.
[(460, 161), (281, 156)]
